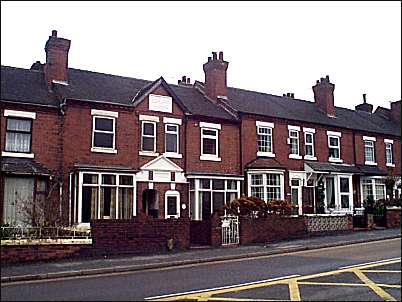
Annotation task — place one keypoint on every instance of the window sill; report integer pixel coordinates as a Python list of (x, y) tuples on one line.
[(310, 157), (265, 154), (172, 155), (102, 150), (16, 154), (390, 165), (370, 163), (295, 156), (148, 153), (335, 160), (210, 158)]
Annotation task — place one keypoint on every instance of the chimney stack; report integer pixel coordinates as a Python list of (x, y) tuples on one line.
[(396, 111), (324, 96), (365, 106), (185, 81), (56, 67), (215, 76)]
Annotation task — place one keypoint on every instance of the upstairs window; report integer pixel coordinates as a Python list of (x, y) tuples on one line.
[(309, 144), (369, 152), (210, 141), (334, 146), (148, 136), (294, 142), (171, 138), (389, 153), (103, 132), (264, 139), (18, 135)]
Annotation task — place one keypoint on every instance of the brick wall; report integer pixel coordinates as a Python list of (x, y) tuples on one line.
[(229, 149), (26, 253), (139, 235), (272, 228), (393, 217), (321, 223)]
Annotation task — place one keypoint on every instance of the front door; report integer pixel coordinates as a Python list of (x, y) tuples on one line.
[(296, 195), (150, 203), (330, 192)]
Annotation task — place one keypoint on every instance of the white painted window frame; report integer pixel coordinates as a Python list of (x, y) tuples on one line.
[(197, 189), (338, 138), (145, 152), (270, 127), (177, 133), (172, 193), (369, 143), (209, 157), (78, 203), (309, 131), (337, 183), (103, 149), (291, 131), (389, 145), (264, 181), (372, 179)]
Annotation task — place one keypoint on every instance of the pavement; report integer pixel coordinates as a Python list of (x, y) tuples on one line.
[(97, 266)]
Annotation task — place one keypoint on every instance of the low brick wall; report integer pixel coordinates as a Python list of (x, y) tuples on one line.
[(139, 235), (272, 228), (393, 217), (37, 252), (328, 223)]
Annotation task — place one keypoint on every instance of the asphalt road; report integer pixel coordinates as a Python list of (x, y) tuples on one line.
[(249, 279)]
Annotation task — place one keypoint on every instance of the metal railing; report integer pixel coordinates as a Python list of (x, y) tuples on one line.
[(18, 232)]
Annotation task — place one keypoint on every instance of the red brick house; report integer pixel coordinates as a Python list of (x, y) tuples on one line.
[(99, 146)]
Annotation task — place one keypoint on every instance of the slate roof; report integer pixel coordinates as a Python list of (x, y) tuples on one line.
[(18, 84), (294, 109), (16, 165), (25, 86), (28, 85)]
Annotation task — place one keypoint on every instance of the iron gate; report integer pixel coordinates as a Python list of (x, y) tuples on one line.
[(230, 229)]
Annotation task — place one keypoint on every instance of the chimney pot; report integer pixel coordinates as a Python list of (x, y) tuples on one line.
[(322, 80), (214, 55), (188, 80), (327, 78), (54, 33), (318, 81), (183, 79), (178, 82), (364, 98), (209, 59), (284, 94), (221, 55), (292, 95)]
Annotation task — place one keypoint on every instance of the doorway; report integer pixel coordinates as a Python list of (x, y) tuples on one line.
[(150, 202)]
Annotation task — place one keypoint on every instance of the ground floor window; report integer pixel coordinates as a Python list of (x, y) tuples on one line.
[(266, 185), (208, 195), (372, 186), (338, 193), (24, 201), (103, 196)]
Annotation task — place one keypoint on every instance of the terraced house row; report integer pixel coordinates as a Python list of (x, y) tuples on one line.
[(97, 146)]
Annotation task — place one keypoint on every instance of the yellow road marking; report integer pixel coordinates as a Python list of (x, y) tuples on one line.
[(292, 283), (379, 271), (237, 299), (294, 290), (378, 290)]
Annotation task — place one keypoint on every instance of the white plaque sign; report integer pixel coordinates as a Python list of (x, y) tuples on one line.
[(160, 103)]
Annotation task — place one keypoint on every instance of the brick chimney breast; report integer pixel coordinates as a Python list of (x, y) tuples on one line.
[(324, 96), (56, 67), (366, 107), (215, 76), (396, 111)]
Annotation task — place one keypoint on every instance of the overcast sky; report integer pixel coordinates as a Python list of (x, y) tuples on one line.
[(272, 47)]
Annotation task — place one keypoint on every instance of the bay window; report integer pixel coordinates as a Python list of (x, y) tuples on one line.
[(266, 185)]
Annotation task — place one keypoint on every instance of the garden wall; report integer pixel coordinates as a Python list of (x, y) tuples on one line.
[(37, 252), (272, 228), (393, 217), (328, 223), (139, 235)]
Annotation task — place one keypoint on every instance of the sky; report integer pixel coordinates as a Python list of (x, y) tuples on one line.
[(271, 47)]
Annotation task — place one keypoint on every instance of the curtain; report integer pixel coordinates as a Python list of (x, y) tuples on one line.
[(125, 203), (18, 142)]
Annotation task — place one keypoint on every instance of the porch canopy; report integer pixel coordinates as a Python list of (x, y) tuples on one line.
[(325, 167), (23, 166)]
